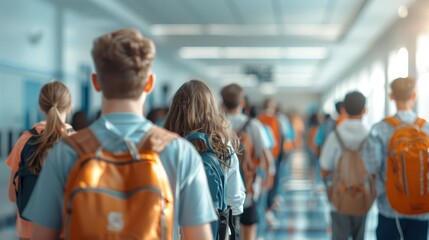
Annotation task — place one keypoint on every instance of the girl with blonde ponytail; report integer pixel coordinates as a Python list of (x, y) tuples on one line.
[(27, 156)]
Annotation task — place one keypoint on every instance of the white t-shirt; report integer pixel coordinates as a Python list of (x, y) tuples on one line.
[(235, 191)]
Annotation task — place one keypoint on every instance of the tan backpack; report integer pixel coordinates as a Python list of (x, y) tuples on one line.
[(119, 195), (407, 167), (353, 189)]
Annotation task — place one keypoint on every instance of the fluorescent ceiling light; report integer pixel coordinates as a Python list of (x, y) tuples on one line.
[(253, 53), (326, 31), (312, 30), (200, 52), (177, 29), (242, 30)]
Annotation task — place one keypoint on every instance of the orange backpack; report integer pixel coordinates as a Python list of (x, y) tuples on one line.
[(273, 123), (247, 158), (407, 167), (119, 195), (353, 189)]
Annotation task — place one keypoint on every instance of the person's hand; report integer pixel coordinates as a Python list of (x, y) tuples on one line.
[(268, 182)]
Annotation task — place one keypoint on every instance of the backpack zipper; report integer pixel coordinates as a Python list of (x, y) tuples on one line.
[(422, 185), (407, 141), (117, 195), (427, 173), (404, 174)]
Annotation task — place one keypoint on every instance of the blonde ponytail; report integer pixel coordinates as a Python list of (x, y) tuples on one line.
[(55, 98)]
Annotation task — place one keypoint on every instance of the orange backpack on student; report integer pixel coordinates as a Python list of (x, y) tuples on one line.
[(124, 195), (273, 123), (247, 158), (407, 167), (353, 189)]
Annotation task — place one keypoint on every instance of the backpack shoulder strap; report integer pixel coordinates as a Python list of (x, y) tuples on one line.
[(393, 120), (340, 140), (211, 159), (201, 136), (83, 141), (420, 122), (243, 128), (157, 139), (362, 144), (33, 131)]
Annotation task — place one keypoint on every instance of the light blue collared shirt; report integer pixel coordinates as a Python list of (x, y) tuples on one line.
[(182, 163), (375, 154)]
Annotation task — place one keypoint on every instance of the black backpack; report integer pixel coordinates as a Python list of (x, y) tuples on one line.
[(26, 179), (216, 180)]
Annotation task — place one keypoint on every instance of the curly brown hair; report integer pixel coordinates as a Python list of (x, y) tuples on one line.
[(122, 61)]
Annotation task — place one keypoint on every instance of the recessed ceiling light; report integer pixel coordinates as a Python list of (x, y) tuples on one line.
[(402, 11)]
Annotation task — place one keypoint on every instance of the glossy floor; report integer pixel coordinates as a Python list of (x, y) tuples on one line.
[(303, 212)]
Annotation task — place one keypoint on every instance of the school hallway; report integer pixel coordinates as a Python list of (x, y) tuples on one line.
[(304, 213)]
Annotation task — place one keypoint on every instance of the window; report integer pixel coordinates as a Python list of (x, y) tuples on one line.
[(398, 67), (422, 64)]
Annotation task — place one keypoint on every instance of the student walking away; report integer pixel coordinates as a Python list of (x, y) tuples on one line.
[(352, 191), (287, 133), (341, 111), (28, 155), (194, 114), (269, 118), (122, 177), (326, 126), (330, 124), (312, 149), (255, 155), (397, 154)]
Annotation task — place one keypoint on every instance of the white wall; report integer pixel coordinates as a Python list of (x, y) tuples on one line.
[(20, 58)]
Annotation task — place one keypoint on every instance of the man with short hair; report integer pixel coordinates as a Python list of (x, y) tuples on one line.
[(352, 133), (391, 224), (234, 102), (123, 61)]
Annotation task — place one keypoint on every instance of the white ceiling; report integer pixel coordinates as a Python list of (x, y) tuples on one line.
[(306, 44)]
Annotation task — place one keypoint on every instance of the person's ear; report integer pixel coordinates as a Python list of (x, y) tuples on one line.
[(95, 83), (414, 96), (391, 97), (150, 83), (243, 102), (364, 111)]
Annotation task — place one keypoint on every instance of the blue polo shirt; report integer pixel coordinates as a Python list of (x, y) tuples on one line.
[(182, 163)]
